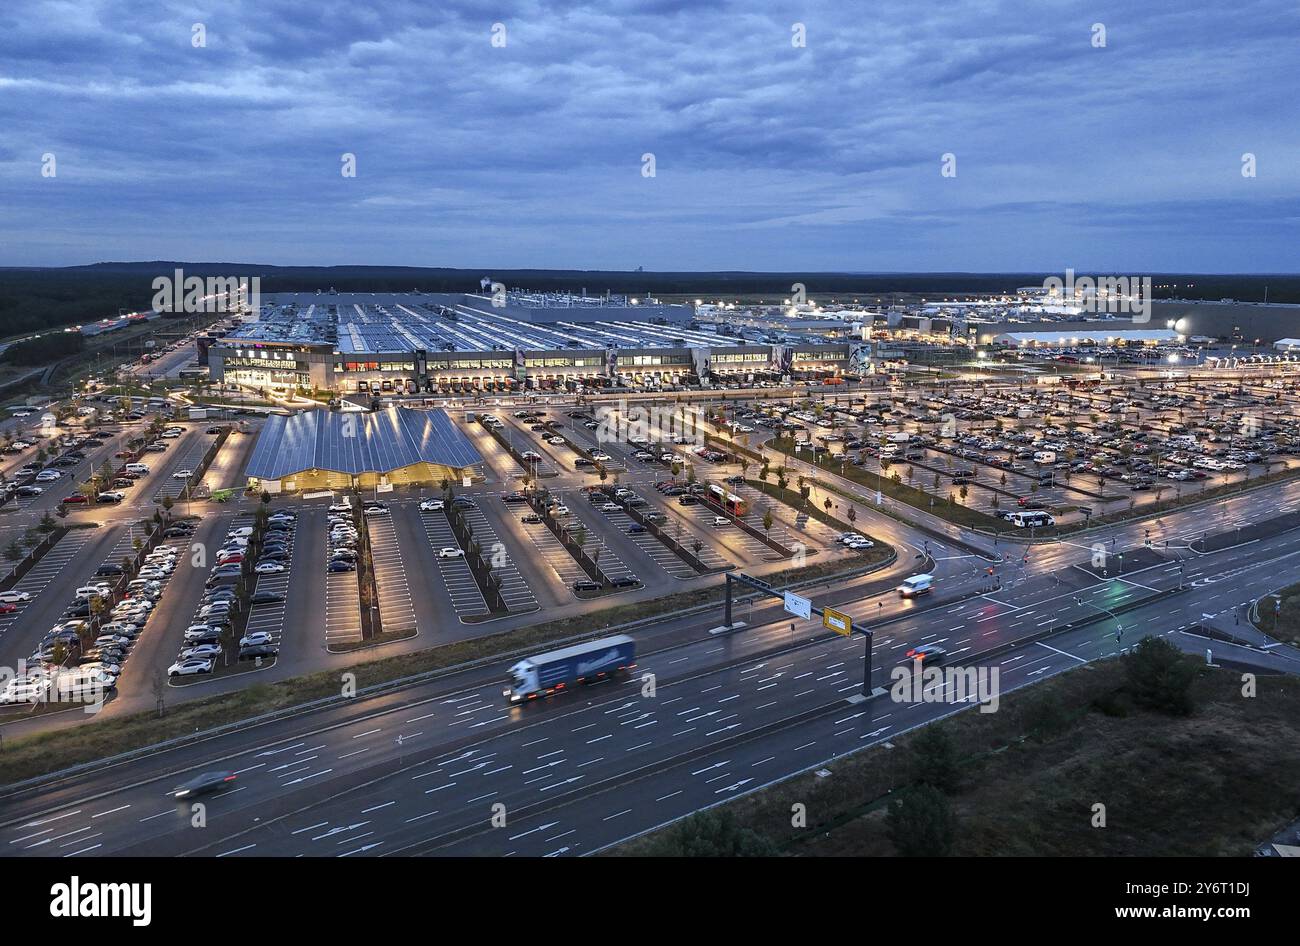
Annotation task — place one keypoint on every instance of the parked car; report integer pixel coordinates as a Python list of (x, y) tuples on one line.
[(192, 665)]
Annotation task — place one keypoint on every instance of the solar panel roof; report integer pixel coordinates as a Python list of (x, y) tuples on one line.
[(357, 443)]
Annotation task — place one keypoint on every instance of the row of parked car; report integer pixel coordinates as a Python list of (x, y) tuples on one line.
[(344, 536), (202, 641), (29, 477), (61, 669)]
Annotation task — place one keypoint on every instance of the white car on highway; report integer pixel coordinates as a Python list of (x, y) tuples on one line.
[(183, 668)]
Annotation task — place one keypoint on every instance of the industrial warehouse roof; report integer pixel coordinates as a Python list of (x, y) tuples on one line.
[(360, 324), (1088, 335), (358, 443)]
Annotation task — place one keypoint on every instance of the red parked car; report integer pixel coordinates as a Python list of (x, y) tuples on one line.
[(7, 608), (75, 498)]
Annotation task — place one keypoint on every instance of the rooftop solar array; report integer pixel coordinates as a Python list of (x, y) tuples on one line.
[(357, 443), (359, 324)]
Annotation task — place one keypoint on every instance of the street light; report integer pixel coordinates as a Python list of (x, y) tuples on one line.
[(1119, 627)]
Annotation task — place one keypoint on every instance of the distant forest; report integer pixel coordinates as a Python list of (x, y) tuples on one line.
[(32, 299)]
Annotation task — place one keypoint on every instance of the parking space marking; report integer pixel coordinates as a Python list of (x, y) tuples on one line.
[(396, 609), (462, 589)]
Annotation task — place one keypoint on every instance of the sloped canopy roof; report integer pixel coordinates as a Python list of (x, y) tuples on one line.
[(358, 443)]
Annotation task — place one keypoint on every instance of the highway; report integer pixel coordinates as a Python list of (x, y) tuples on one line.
[(420, 769)]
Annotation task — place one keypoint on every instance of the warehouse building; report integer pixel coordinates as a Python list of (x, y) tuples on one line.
[(440, 343), (331, 450)]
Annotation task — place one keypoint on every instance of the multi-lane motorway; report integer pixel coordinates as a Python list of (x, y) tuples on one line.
[(446, 766)]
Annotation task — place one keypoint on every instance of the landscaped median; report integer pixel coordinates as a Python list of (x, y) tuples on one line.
[(31, 756), (1278, 614)]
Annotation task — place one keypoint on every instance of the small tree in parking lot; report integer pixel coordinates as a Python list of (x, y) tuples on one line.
[(767, 520)]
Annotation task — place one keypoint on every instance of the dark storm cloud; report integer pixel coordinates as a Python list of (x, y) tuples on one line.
[(768, 156)]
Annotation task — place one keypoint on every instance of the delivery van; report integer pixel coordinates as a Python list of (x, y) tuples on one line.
[(916, 585)]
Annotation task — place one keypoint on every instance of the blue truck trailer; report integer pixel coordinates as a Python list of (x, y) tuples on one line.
[(544, 674)]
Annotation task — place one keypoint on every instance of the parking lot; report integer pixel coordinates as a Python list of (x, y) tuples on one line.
[(457, 580), (397, 608)]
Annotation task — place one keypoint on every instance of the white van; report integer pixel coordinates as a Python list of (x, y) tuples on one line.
[(137, 468), (900, 437), (1033, 517), (916, 585), (243, 532)]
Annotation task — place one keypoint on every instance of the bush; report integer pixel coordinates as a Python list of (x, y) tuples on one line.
[(934, 759), (1159, 676), (712, 834), (920, 823), (1046, 715)]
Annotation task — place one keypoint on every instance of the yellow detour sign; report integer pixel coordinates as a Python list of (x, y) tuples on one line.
[(837, 621)]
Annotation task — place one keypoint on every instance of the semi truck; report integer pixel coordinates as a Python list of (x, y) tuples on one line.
[(557, 670)]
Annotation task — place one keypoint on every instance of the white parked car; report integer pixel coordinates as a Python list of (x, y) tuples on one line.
[(200, 650), (602, 457), (268, 568), (183, 668), (182, 474), (14, 597), (257, 637), (376, 511), (450, 552), (431, 505)]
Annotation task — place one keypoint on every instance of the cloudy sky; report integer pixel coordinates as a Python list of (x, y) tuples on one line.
[(767, 155)]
